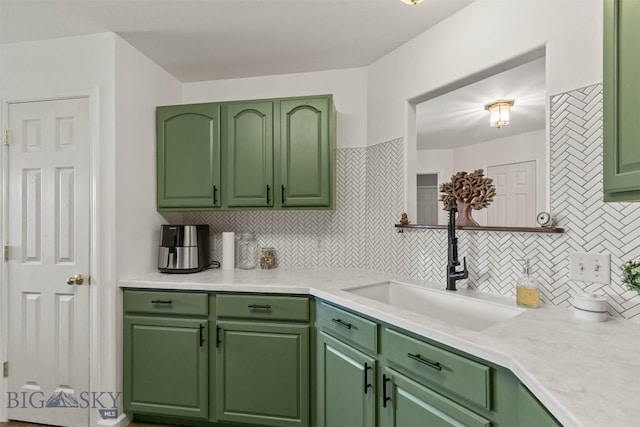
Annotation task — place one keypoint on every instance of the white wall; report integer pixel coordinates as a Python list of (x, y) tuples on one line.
[(348, 86), (66, 67), (140, 86), (480, 36)]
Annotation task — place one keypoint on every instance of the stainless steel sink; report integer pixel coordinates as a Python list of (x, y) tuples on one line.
[(449, 307)]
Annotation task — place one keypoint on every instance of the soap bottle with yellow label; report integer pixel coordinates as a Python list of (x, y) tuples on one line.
[(527, 290)]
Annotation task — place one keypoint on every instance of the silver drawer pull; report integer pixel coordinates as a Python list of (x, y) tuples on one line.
[(342, 323), (259, 306), (418, 358)]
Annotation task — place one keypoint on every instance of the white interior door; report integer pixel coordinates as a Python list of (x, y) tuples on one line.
[(48, 240), (515, 201), (427, 205)]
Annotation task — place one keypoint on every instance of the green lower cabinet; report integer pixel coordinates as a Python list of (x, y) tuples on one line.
[(165, 366), (406, 403), (531, 413), (262, 373), (346, 389)]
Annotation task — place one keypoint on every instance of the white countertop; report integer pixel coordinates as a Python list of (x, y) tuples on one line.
[(585, 373)]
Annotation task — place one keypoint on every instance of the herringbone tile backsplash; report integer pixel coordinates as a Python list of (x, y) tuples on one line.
[(360, 233), (306, 238)]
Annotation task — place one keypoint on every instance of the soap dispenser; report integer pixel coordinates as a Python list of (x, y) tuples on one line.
[(527, 291)]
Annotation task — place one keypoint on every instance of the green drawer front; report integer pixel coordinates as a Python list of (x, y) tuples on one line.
[(166, 303), (348, 326), (263, 307), (461, 376)]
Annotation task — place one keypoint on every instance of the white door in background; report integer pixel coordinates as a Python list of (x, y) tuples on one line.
[(427, 205), (515, 200), (48, 238)]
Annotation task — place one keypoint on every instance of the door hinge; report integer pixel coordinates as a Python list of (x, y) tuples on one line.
[(5, 252), (5, 369), (6, 137)]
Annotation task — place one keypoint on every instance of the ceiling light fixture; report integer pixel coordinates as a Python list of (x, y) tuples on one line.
[(413, 2), (499, 112)]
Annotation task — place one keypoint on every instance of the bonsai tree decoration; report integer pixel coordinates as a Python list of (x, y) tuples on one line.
[(471, 191)]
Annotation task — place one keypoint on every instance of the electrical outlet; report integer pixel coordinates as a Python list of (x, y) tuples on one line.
[(588, 267), (319, 244)]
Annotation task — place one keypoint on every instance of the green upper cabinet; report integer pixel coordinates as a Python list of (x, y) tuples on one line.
[(248, 146), (188, 138), (247, 155), (306, 151), (621, 94)]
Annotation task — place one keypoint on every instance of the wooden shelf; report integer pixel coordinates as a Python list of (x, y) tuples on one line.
[(546, 230)]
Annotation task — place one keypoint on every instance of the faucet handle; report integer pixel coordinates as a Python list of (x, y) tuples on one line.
[(464, 268)]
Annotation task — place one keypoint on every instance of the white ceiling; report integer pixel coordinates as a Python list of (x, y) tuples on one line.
[(458, 118), (214, 39)]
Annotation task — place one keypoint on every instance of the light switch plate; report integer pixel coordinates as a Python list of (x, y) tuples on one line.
[(591, 267)]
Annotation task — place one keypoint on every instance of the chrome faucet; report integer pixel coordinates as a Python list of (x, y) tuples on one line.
[(454, 275)]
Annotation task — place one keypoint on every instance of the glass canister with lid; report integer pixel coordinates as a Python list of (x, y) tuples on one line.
[(247, 251), (268, 258)]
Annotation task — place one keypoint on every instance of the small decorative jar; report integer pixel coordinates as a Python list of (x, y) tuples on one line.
[(247, 251), (268, 258)]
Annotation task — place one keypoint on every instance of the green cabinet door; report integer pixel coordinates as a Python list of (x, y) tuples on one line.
[(165, 366), (188, 144), (406, 403), (621, 94), (248, 146), (531, 413), (307, 152), (262, 374), (346, 381)]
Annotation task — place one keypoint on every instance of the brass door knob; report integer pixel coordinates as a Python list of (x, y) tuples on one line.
[(78, 279)]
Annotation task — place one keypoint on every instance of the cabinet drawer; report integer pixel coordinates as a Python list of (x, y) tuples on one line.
[(263, 307), (166, 303), (457, 374), (348, 326)]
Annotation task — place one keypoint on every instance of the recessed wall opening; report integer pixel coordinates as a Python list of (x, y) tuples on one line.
[(453, 134)]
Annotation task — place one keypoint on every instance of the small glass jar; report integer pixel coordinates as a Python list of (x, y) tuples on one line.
[(247, 251), (268, 258)]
